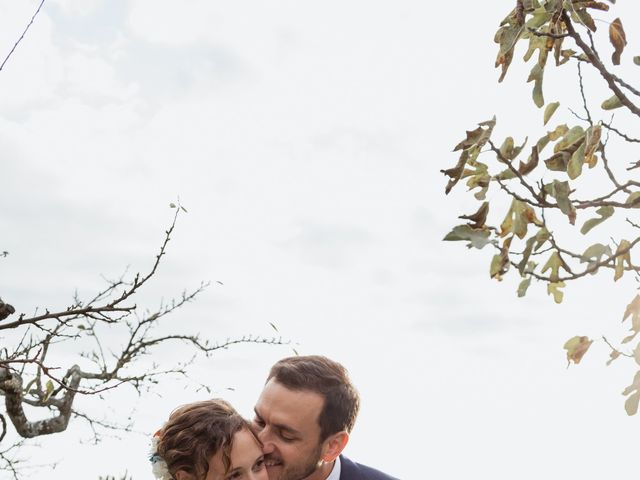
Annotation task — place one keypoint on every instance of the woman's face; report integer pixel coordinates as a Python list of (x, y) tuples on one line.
[(247, 462)]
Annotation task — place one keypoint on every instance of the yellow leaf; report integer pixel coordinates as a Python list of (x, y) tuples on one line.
[(48, 390)]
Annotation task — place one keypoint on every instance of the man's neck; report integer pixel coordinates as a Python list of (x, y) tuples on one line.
[(322, 472)]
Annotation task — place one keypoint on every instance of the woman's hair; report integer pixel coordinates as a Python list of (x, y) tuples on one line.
[(197, 431)]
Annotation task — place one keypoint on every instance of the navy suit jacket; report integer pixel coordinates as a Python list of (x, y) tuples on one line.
[(354, 471)]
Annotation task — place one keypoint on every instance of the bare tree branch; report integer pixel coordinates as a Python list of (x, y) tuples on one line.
[(21, 37)]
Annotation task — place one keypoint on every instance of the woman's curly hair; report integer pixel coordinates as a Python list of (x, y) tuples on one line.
[(197, 431)]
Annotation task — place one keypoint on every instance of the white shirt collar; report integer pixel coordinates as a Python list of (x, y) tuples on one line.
[(335, 472)]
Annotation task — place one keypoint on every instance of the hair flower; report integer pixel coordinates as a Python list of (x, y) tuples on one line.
[(158, 465)]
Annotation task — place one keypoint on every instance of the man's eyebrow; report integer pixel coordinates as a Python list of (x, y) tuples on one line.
[(280, 426), (286, 428)]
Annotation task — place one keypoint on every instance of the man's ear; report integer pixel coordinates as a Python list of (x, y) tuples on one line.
[(334, 445)]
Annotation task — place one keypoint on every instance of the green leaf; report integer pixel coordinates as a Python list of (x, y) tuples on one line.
[(593, 255), (506, 149), (523, 287), (507, 36), (574, 167), (536, 75), (554, 289), (595, 252), (585, 18), (172, 205), (636, 60), (571, 137), (477, 238), (558, 162), (519, 216), (541, 238), (560, 191), (555, 134), (554, 264), (496, 266), (604, 212), (550, 110), (633, 200), (611, 103), (526, 254), (621, 258)]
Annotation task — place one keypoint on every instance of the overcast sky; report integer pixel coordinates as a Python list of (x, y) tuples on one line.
[(305, 140)]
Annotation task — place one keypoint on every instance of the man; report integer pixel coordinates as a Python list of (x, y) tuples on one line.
[(303, 418)]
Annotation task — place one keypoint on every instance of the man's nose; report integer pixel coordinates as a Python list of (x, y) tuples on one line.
[(265, 437)]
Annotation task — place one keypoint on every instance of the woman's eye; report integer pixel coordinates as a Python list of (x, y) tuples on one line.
[(259, 465)]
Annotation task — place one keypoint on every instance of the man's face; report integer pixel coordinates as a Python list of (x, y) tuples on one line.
[(286, 422)]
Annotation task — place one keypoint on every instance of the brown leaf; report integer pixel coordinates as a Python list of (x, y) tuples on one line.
[(618, 40), (455, 173), (597, 5), (532, 162), (479, 218), (633, 311), (576, 347)]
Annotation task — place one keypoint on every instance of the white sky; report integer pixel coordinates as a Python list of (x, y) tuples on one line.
[(306, 139)]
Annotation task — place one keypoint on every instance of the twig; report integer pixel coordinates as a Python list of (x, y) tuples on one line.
[(21, 36)]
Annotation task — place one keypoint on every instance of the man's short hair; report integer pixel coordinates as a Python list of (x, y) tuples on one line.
[(327, 378)]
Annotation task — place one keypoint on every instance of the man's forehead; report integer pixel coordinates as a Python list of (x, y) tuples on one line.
[(293, 407)]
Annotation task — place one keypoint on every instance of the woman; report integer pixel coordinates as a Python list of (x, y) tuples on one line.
[(207, 440)]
